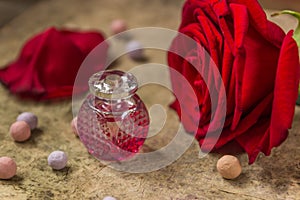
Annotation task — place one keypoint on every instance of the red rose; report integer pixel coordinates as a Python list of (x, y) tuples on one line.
[(259, 66)]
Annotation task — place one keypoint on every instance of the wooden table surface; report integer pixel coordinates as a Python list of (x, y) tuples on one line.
[(189, 177)]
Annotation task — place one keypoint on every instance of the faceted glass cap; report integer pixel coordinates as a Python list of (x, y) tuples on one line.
[(113, 84)]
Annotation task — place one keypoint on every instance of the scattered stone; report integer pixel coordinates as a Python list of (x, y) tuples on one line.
[(229, 167), (8, 168), (30, 118), (20, 131), (57, 160)]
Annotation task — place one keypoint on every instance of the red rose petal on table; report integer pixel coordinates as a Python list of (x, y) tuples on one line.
[(48, 64)]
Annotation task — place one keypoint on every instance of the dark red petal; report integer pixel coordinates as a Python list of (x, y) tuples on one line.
[(286, 91), (241, 23), (275, 130), (254, 139), (247, 123), (272, 32)]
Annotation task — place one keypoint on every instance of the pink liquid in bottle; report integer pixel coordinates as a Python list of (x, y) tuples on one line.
[(113, 122)]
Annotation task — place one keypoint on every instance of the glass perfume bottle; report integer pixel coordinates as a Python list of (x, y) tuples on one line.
[(113, 122)]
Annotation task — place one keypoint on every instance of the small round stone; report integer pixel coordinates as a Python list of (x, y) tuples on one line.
[(29, 118), (118, 26), (57, 160), (74, 126), (109, 198), (8, 168), (135, 50), (229, 167), (20, 131)]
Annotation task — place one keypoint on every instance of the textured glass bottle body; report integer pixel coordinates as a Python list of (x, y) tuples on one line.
[(113, 129)]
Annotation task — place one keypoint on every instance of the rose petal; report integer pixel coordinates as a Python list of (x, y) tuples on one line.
[(286, 91)]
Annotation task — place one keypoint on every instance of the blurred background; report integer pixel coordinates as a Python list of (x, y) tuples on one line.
[(11, 8)]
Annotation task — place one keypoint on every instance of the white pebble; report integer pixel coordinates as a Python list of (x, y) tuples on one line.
[(135, 50), (30, 118), (109, 198), (57, 160)]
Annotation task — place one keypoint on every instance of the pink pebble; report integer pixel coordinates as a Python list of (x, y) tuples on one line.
[(30, 118), (8, 168), (118, 26), (229, 167), (20, 131), (74, 126)]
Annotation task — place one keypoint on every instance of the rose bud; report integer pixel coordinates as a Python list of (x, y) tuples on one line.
[(259, 68)]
